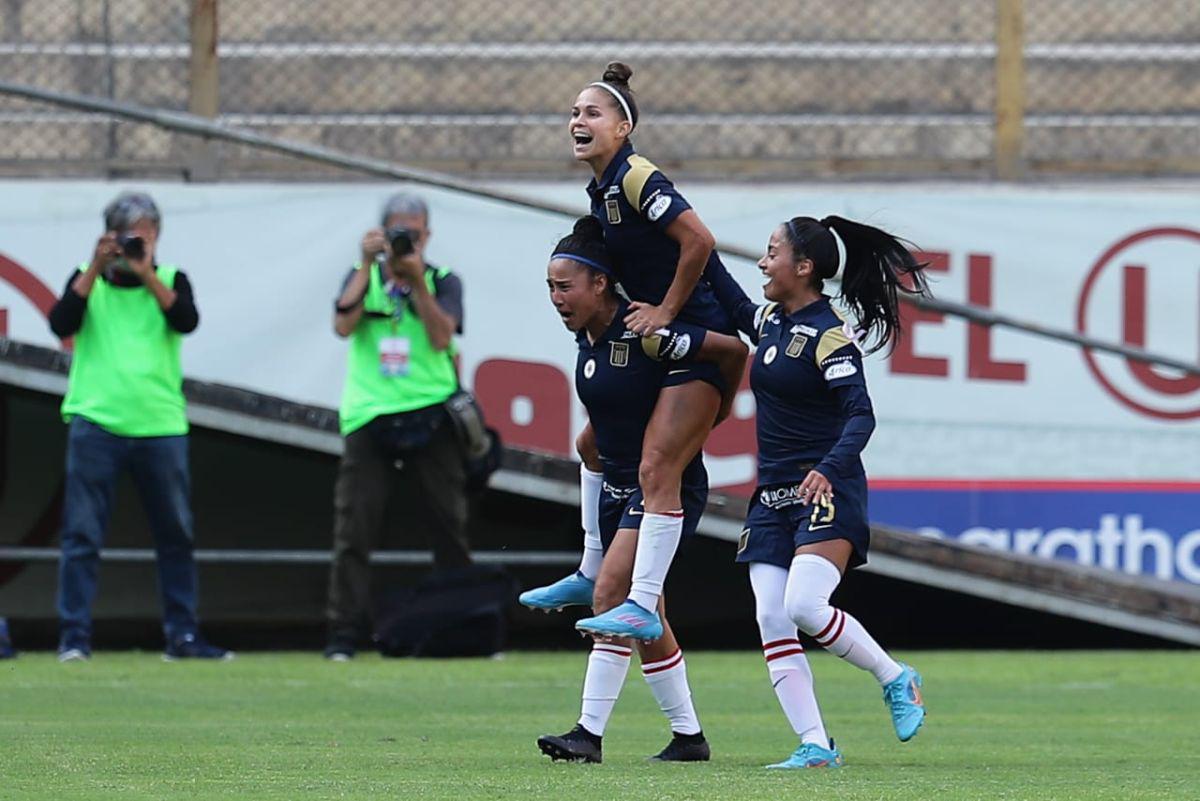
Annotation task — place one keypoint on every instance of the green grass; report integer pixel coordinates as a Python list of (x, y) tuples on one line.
[(1001, 726)]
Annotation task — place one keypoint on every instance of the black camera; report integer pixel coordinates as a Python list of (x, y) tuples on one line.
[(132, 246), (401, 240)]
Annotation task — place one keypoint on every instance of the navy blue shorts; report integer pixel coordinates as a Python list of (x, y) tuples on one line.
[(777, 523), (694, 371), (622, 507)]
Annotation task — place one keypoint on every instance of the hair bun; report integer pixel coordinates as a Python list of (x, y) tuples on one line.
[(588, 228), (617, 73)]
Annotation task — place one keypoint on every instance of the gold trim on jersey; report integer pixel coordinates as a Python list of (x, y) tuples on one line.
[(760, 316), (640, 170), (831, 340), (650, 345)]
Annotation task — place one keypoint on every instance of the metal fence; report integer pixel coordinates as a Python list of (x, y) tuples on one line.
[(729, 88)]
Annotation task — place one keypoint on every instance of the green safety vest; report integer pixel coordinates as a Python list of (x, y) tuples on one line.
[(126, 375), (412, 378)]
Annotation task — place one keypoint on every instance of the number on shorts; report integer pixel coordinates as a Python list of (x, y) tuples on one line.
[(822, 514)]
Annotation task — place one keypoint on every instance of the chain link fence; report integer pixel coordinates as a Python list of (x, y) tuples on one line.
[(728, 88)]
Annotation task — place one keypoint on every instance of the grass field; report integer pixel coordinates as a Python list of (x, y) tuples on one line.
[(286, 726)]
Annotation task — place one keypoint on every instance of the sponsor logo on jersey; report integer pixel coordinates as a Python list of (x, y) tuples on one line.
[(618, 493), (679, 346), (589, 368), (619, 355), (779, 497), (613, 191), (796, 346), (614, 212), (770, 355), (658, 208), (807, 330), (627, 334), (840, 370)]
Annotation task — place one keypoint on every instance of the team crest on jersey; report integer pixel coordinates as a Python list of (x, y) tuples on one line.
[(743, 540), (796, 346), (589, 368), (619, 355), (770, 355), (614, 211)]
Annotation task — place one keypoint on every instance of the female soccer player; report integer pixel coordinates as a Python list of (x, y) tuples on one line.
[(660, 251), (618, 375), (807, 521)]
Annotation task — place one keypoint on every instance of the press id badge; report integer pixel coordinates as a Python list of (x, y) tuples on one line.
[(393, 356)]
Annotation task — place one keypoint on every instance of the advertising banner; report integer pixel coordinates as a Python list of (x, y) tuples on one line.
[(991, 436)]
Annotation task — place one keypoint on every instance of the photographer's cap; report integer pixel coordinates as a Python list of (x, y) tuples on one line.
[(129, 207)]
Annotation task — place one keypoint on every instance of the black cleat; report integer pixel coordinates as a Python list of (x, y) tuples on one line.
[(577, 745), (684, 748)]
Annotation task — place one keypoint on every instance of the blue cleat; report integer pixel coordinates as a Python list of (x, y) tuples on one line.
[(811, 755), (574, 590), (903, 698), (626, 620)]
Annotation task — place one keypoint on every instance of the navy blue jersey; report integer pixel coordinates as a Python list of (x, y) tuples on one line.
[(618, 379), (635, 203), (807, 378), (809, 390)]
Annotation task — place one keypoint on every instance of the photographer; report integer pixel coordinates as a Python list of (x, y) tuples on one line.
[(125, 409), (400, 315)]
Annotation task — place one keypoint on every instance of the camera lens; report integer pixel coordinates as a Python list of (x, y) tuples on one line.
[(134, 247), (401, 241)]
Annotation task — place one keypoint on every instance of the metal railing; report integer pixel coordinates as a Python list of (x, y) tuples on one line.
[(793, 89), (201, 127)]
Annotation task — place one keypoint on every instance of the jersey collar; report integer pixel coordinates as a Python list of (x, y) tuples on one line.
[(811, 310), (610, 172), (611, 334)]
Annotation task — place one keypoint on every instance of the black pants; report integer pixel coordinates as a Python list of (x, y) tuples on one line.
[(426, 490)]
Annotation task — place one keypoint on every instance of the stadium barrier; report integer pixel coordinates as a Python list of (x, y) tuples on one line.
[(1167, 610)]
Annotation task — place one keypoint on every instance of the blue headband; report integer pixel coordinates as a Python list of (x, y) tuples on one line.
[(597, 265)]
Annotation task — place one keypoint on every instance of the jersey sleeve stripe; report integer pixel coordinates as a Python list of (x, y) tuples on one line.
[(761, 315), (832, 340), (640, 170), (650, 345)]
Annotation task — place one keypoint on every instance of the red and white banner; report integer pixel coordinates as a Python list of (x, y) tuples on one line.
[(954, 401)]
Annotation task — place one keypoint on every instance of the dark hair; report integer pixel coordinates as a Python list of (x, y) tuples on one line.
[(617, 75), (878, 268), (585, 245)]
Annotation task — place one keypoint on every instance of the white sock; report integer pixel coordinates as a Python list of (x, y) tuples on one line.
[(590, 486), (786, 663), (668, 681), (606, 669), (658, 537), (811, 580)]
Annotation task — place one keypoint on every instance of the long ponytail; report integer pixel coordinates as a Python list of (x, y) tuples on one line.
[(874, 267)]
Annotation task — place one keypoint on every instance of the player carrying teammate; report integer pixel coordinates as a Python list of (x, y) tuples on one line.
[(618, 375)]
